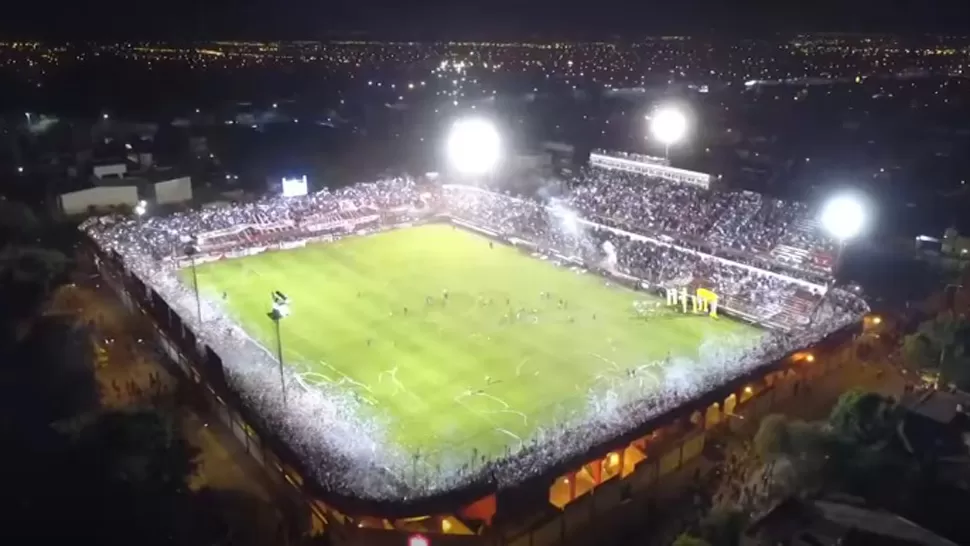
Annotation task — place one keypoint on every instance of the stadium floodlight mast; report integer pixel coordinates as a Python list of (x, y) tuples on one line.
[(668, 124), (474, 146), (279, 311), (843, 216), (192, 250)]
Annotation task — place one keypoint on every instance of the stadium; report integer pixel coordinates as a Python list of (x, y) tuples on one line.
[(409, 354)]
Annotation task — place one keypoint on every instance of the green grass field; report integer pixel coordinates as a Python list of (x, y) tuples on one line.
[(464, 372)]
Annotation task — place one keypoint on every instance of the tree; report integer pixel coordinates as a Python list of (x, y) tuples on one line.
[(124, 474), (880, 473), (33, 265), (723, 526), (17, 222), (808, 439), (27, 274), (138, 452), (685, 539), (772, 441), (918, 353), (865, 418), (49, 375), (947, 335)]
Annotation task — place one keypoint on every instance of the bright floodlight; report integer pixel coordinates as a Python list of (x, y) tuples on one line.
[(474, 146), (668, 125), (843, 216), (281, 309)]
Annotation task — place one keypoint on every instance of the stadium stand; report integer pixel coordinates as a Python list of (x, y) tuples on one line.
[(665, 234), (731, 242)]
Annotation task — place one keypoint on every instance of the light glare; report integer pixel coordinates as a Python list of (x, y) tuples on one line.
[(843, 216), (668, 125), (474, 146)]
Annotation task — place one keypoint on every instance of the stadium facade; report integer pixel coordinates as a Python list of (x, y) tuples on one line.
[(539, 507)]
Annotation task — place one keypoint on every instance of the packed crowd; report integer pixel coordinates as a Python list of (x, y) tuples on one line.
[(275, 218), (774, 299), (744, 222)]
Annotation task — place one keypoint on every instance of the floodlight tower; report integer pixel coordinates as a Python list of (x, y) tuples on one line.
[(843, 217), (668, 125), (474, 147), (279, 311), (192, 250)]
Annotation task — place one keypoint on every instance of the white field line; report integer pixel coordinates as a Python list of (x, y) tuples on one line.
[(392, 374)]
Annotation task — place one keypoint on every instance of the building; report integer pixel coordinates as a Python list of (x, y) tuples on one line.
[(955, 244), (836, 522), (936, 429)]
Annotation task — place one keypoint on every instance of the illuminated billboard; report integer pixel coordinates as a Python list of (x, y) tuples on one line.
[(293, 187)]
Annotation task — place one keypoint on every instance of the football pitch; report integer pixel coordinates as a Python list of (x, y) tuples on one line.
[(462, 343)]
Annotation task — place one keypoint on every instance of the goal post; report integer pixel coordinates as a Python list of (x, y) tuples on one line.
[(702, 301), (706, 301)]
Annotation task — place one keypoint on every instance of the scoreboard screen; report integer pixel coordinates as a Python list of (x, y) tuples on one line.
[(294, 187)]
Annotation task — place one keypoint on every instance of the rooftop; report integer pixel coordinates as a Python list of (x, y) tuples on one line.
[(838, 522)]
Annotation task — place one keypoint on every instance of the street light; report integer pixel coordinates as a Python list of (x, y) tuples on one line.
[(279, 311), (141, 208), (668, 125), (474, 146)]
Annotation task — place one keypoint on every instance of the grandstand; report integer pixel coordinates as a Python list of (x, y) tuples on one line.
[(628, 234)]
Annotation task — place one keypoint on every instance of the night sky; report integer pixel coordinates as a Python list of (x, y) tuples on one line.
[(189, 19)]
